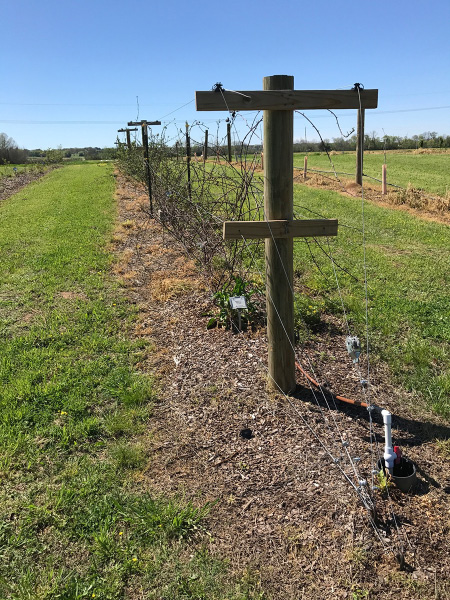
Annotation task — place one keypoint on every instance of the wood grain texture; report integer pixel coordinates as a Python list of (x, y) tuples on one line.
[(279, 229), (285, 100)]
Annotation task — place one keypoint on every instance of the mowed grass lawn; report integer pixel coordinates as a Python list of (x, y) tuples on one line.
[(430, 172), (75, 412), (408, 276)]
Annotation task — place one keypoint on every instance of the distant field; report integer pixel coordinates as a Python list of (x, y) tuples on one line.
[(430, 172)]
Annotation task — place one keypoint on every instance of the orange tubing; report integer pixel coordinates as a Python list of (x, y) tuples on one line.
[(341, 398)]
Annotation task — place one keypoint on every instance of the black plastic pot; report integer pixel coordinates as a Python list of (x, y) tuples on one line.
[(403, 475)]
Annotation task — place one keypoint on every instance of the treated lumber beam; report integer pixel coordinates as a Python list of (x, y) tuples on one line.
[(144, 122), (286, 99), (235, 230)]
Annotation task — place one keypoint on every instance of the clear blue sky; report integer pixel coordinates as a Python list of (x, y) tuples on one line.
[(85, 62)]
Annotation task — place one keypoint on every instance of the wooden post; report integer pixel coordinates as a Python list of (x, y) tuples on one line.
[(188, 159), (305, 167), (279, 100), (262, 160), (229, 140), (360, 146), (127, 131), (147, 166), (279, 204), (383, 180), (205, 147), (144, 126)]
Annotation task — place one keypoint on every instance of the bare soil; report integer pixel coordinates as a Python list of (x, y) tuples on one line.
[(286, 517), (12, 185)]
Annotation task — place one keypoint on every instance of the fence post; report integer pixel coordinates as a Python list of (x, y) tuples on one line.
[(188, 159), (229, 140), (205, 147), (383, 180), (279, 204), (305, 167), (360, 146), (147, 165)]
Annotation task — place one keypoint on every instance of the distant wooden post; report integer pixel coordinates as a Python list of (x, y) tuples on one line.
[(262, 160), (229, 140), (305, 167), (279, 100), (205, 147), (383, 180), (360, 146), (188, 160), (144, 126), (127, 131)]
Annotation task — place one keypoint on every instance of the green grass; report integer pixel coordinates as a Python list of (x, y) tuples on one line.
[(75, 413), (408, 283), (425, 171)]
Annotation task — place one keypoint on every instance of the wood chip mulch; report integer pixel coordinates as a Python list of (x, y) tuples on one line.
[(285, 515)]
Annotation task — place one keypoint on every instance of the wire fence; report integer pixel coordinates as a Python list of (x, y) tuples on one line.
[(199, 181)]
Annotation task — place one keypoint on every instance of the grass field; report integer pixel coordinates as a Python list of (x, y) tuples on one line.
[(74, 414), (408, 283), (429, 172)]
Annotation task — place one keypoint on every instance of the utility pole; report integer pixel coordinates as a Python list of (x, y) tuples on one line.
[(144, 126)]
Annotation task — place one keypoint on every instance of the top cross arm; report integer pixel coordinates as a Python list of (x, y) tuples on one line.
[(144, 122), (286, 99)]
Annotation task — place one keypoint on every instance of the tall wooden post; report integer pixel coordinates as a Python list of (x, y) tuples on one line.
[(144, 126), (147, 165), (383, 180), (305, 167), (279, 204), (278, 100), (360, 146), (127, 131), (229, 140)]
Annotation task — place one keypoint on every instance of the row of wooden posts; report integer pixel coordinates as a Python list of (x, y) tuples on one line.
[(358, 179), (278, 100)]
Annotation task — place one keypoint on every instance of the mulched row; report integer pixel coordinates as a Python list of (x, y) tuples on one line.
[(285, 516)]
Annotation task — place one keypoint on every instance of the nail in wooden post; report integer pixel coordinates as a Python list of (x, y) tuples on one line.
[(305, 167), (383, 181), (279, 204), (360, 146)]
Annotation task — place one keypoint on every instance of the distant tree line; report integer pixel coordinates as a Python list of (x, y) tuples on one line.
[(10, 152), (429, 139)]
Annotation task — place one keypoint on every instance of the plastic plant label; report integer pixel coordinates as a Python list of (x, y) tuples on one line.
[(238, 302)]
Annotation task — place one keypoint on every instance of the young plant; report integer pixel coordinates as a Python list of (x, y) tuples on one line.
[(226, 317)]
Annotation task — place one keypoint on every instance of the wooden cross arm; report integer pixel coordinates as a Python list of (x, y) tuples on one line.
[(144, 122), (286, 100), (123, 130), (236, 230)]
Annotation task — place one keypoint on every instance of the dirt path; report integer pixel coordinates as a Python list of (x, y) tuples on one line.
[(286, 517)]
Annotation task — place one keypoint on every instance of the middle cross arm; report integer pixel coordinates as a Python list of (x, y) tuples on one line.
[(236, 230)]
